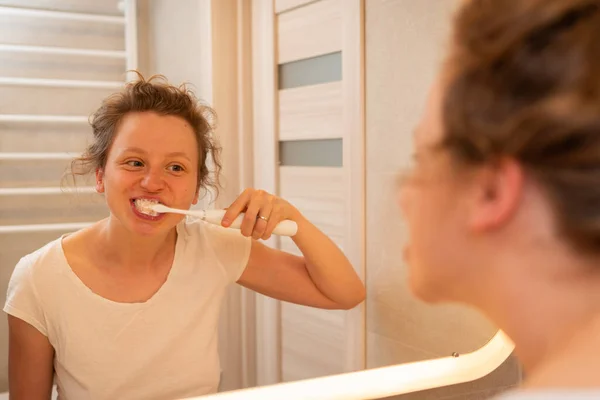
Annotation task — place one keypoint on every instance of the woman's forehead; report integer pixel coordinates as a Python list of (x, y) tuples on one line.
[(150, 133)]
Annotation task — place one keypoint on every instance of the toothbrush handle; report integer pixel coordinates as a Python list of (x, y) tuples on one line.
[(284, 228)]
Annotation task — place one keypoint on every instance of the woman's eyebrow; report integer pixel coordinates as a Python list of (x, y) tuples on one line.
[(142, 151)]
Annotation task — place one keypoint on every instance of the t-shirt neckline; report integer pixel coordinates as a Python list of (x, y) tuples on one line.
[(155, 297)]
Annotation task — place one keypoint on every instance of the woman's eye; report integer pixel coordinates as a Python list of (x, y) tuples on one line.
[(135, 163), (176, 168)]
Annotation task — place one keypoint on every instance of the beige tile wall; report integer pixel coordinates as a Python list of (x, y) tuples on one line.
[(405, 41)]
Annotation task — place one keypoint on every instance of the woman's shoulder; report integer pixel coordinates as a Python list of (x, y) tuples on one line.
[(43, 265), (31, 273), (40, 259), (56, 252), (35, 270)]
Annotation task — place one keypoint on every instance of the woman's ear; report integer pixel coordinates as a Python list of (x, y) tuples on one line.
[(100, 180), (498, 193)]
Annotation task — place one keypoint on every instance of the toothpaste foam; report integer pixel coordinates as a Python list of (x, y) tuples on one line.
[(145, 206)]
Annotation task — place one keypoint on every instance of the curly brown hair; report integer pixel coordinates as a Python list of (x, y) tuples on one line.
[(152, 95), (523, 81)]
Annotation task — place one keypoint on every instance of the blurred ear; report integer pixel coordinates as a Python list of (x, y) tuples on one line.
[(498, 192), (100, 180)]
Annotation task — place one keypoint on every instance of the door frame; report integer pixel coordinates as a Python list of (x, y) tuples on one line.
[(268, 311)]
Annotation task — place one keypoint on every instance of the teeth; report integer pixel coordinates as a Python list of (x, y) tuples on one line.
[(145, 206)]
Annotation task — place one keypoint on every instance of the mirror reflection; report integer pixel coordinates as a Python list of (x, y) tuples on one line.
[(109, 296)]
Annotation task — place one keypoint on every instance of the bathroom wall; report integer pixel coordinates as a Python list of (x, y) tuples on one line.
[(172, 37), (405, 40)]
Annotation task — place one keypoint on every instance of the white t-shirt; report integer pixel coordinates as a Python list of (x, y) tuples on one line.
[(161, 349)]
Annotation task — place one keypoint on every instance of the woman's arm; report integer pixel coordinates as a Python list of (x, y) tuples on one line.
[(30, 362), (322, 278)]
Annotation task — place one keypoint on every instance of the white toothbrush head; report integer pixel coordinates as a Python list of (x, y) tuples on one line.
[(161, 208), (149, 207)]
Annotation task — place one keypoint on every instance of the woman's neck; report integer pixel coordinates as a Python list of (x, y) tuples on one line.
[(134, 252), (542, 303)]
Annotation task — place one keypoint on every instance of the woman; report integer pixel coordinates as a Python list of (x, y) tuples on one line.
[(128, 307), (503, 206)]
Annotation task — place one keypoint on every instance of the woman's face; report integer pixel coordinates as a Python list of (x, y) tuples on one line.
[(432, 202), (152, 157)]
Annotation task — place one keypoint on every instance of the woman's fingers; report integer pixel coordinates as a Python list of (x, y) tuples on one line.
[(274, 219), (237, 207), (262, 221), (255, 203), (263, 211)]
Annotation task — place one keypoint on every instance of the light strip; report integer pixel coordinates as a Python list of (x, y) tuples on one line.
[(35, 156), (385, 382), (44, 118), (40, 191), (66, 227)]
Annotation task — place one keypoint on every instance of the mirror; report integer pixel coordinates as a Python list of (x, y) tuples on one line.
[(313, 52)]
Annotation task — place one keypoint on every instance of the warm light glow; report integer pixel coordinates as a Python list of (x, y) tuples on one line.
[(388, 381)]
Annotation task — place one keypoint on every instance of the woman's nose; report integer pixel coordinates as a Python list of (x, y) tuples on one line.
[(153, 181)]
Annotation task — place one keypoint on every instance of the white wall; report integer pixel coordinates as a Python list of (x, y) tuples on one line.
[(174, 41)]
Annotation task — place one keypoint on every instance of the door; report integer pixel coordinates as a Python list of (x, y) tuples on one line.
[(309, 149)]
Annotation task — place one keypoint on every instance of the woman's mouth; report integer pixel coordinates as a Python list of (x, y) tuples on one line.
[(142, 208)]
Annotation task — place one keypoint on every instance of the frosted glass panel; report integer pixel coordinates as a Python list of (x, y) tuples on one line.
[(311, 153), (311, 71)]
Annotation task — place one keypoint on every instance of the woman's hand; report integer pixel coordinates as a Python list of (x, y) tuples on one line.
[(263, 211)]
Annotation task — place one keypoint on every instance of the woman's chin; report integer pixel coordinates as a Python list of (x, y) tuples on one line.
[(152, 227)]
